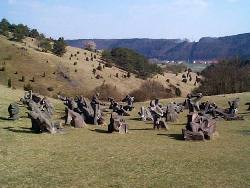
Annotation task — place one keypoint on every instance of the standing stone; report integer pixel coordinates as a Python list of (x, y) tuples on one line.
[(13, 110)]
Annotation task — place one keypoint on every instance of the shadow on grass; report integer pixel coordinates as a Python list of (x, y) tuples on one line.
[(179, 124), (135, 119), (245, 132), (101, 131), (143, 129), (172, 136), (7, 119), (21, 130), (244, 113)]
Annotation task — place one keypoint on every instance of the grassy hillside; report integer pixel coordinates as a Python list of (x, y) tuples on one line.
[(26, 60), (90, 157)]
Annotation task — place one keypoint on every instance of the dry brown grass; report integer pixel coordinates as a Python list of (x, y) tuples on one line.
[(33, 63)]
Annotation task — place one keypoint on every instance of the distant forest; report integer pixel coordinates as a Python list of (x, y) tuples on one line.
[(131, 61), (228, 76)]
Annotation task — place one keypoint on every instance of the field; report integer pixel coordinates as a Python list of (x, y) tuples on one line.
[(90, 157)]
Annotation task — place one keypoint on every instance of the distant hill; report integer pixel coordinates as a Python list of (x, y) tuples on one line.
[(206, 48), (75, 73)]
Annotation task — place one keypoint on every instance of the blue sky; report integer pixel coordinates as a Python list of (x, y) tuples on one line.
[(74, 19)]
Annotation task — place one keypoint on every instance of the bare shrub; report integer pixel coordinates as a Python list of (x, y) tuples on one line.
[(99, 67), (63, 71), (109, 65), (150, 90), (27, 87), (184, 80), (9, 83), (22, 79), (107, 90), (50, 89), (178, 92), (98, 76)]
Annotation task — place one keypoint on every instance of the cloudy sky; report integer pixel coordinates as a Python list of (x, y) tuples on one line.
[(74, 19)]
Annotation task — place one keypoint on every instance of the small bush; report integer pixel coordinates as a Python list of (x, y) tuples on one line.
[(99, 67), (117, 75), (50, 89), (78, 52), (75, 70), (184, 80), (167, 80), (75, 63), (27, 87), (109, 65), (184, 76), (94, 56), (23, 79), (128, 74), (16, 72), (178, 92), (9, 83), (198, 80), (2, 69), (87, 59), (94, 71), (98, 76)]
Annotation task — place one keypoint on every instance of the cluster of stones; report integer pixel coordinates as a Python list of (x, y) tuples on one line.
[(160, 114), (117, 122), (201, 123), (120, 109), (80, 111), (40, 113)]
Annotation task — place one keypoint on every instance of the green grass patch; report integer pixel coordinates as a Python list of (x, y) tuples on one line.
[(90, 157)]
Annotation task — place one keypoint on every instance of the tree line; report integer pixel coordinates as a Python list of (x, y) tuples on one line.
[(20, 31), (228, 76), (131, 61)]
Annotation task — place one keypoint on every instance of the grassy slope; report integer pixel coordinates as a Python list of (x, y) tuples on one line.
[(32, 63), (90, 157)]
